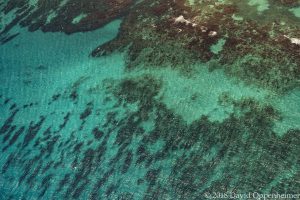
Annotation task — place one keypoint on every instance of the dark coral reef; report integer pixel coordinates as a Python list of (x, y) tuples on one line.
[(169, 159), (132, 145), (258, 48), (62, 15)]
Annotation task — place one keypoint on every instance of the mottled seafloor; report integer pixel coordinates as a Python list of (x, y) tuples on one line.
[(149, 99)]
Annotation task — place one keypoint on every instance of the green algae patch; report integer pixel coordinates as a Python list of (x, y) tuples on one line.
[(79, 18), (218, 47), (289, 107), (295, 11), (262, 5), (191, 2), (237, 17), (51, 16)]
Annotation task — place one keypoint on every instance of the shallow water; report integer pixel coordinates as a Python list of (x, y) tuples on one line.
[(73, 126)]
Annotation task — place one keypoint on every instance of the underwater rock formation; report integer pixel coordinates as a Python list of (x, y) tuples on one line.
[(256, 48), (183, 103), (63, 15)]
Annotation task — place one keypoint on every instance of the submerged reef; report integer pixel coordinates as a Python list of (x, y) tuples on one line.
[(257, 48), (260, 42), (240, 154), (144, 144), (184, 105), (63, 15)]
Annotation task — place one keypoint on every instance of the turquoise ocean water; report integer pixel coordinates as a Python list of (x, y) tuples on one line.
[(34, 68), (77, 127)]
